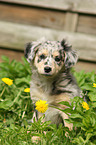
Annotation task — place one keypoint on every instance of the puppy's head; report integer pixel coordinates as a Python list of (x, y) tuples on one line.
[(50, 57)]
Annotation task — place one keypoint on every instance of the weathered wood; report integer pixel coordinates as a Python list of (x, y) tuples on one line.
[(86, 66), (87, 24), (16, 36), (82, 6), (71, 22), (11, 54), (32, 16), (67, 21)]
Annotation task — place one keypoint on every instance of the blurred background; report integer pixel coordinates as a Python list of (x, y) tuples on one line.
[(22, 21)]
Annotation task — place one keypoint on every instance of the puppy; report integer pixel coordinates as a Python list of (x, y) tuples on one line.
[(51, 78)]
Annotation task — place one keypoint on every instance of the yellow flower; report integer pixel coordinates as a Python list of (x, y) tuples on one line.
[(94, 85), (85, 105), (27, 90), (41, 106), (7, 81)]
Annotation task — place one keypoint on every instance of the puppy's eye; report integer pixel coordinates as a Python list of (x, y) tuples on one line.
[(42, 56), (57, 59)]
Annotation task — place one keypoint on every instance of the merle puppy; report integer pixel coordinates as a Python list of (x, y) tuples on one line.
[(51, 78)]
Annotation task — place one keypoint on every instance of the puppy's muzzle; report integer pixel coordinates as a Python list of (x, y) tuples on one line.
[(47, 69)]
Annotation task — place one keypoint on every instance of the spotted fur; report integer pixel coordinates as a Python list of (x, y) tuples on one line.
[(51, 78)]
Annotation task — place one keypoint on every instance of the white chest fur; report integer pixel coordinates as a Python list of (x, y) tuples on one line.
[(40, 89)]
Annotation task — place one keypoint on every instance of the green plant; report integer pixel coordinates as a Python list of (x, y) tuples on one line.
[(16, 111), (15, 104)]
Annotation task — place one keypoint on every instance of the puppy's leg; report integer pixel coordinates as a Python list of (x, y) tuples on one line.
[(35, 115), (65, 116), (60, 98)]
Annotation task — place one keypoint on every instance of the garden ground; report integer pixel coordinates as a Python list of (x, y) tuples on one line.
[(16, 110)]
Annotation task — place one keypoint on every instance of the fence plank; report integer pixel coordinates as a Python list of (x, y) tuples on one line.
[(86, 66), (16, 36), (71, 22), (67, 21), (32, 16), (87, 24), (82, 6), (11, 54)]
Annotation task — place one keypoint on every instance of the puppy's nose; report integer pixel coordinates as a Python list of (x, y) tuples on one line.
[(47, 69)]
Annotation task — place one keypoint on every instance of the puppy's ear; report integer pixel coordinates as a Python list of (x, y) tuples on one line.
[(71, 56), (32, 48), (27, 49)]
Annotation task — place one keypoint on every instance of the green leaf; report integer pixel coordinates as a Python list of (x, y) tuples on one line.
[(87, 87), (79, 141), (89, 135), (65, 103), (22, 80), (67, 111), (5, 104), (76, 116), (77, 124), (94, 104), (5, 58), (92, 96)]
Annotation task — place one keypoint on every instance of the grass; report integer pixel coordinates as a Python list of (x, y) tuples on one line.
[(16, 111)]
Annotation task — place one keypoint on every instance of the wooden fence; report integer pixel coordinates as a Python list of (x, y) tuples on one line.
[(24, 21)]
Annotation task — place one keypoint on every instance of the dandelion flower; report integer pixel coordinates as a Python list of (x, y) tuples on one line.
[(27, 90), (7, 81), (41, 106), (85, 105), (94, 85)]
